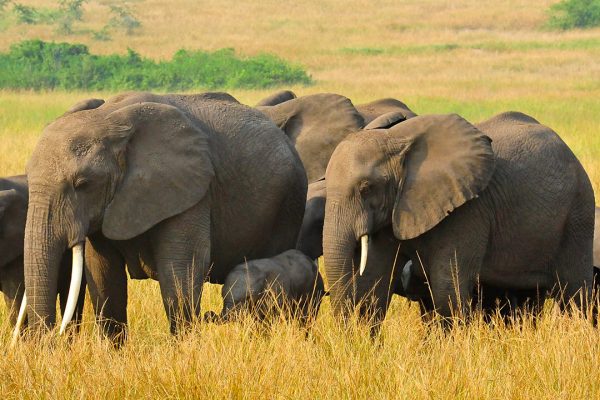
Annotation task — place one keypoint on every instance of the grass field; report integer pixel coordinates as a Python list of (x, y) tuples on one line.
[(473, 58)]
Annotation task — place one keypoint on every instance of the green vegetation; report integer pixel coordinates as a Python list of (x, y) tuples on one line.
[(38, 65), (571, 14)]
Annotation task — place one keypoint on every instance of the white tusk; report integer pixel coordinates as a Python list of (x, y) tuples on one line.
[(406, 274), (20, 319), (76, 275), (364, 252)]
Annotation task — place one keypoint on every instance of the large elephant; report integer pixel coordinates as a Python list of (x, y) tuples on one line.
[(181, 188), (318, 123), (13, 213), (516, 213)]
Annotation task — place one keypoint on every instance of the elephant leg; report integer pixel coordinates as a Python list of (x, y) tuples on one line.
[(13, 287), (452, 280), (182, 254), (574, 267), (107, 283), (64, 282)]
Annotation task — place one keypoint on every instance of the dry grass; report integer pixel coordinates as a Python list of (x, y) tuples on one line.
[(475, 58)]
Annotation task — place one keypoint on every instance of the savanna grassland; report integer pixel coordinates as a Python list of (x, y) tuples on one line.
[(470, 57)]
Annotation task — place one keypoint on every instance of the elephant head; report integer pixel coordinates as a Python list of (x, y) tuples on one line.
[(315, 124), (117, 169), (406, 179)]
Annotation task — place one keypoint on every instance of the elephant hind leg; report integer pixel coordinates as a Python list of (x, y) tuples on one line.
[(573, 264)]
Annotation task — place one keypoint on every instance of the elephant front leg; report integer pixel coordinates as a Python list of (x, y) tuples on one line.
[(182, 254), (107, 283)]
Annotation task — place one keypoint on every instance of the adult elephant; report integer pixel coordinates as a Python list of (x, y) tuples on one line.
[(516, 213), (317, 123), (169, 185), (13, 213)]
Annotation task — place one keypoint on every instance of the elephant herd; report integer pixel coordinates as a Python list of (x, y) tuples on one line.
[(186, 189)]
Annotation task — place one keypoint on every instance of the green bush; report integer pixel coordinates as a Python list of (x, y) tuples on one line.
[(38, 65), (570, 14)]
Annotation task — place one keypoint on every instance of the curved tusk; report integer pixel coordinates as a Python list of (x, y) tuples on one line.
[(76, 275), (20, 319), (364, 252)]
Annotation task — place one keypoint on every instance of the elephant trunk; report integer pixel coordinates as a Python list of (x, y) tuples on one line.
[(339, 244), (42, 256)]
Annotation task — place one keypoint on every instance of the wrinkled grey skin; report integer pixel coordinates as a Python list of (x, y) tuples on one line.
[(289, 281), (13, 213), (516, 213), (318, 123), (310, 238), (277, 98), (169, 185)]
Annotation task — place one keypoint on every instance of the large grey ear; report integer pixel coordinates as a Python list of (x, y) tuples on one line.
[(7, 197), (448, 162), (87, 104), (167, 168), (277, 98), (386, 120)]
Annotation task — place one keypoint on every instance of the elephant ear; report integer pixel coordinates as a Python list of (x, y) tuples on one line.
[(87, 104), (167, 167), (386, 120), (448, 162)]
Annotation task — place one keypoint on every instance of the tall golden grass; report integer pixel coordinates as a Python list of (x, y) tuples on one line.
[(474, 58)]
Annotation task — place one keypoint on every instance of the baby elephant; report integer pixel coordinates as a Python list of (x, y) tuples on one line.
[(289, 282)]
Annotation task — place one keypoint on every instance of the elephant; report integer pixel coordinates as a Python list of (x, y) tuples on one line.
[(180, 188), (318, 123), (504, 204), (489, 299), (13, 213), (289, 282), (277, 98)]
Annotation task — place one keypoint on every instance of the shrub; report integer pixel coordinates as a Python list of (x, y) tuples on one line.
[(570, 14), (38, 65)]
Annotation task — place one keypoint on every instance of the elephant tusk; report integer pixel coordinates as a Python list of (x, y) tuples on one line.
[(19, 324), (364, 253), (76, 275), (406, 274)]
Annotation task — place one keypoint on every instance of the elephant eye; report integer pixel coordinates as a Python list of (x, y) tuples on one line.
[(364, 187), (80, 183)]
